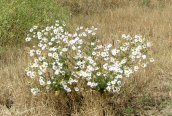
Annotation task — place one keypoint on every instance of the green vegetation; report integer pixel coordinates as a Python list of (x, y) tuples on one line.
[(146, 2), (18, 16)]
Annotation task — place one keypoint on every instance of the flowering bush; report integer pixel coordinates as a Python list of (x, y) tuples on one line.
[(62, 60)]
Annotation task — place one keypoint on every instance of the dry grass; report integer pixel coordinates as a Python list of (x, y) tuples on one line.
[(88, 7), (148, 93)]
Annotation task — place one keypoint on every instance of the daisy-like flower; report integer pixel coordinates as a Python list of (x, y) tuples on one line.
[(31, 53), (103, 54), (41, 81), (98, 73), (28, 39), (152, 60), (114, 52), (136, 68), (35, 91), (144, 56), (65, 49), (48, 82), (105, 66), (94, 53), (76, 89), (149, 44), (144, 65)]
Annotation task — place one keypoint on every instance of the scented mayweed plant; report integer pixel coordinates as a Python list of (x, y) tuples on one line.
[(61, 60)]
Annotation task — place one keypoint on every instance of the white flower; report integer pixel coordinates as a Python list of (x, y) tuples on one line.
[(144, 65), (40, 72), (53, 49), (65, 49), (124, 36), (84, 34), (107, 54), (48, 82), (41, 81), (114, 82), (68, 90), (45, 64), (114, 52), (93, 33), (55, 55), (103, 54), (123, 48), (112, 59), (90, 68), (32, 52), (89, 31), (35, 91), (62, 72), (127, 72), (54, 67), (94, 53), (40, 45), (53, 39), (50, 54), (98, 73), (79, 47), (45, 39), (57, 72), (109, 45), (151, 60), (81, 27), (136, 68), (144, 56), (35, 65), (35, 27), (134, 53), (91, 61), (118, 76), (73, 47), (149, 44), (123, 61), (116, 89), (31, 74), (50, 43), (76, 89), (88, 83), (100, 46), (92, 84), (31, 30), (119, 83), (82, 66), (47, 28), (92, 43), (108, 88), (111, 68), (41, 58), (80, 41), (28, 39), (105, 66), (38, 52), (44, 46)]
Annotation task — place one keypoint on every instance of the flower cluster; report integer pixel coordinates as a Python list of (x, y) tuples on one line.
[(61, 60)]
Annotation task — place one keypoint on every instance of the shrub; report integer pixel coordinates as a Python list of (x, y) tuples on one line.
[(62, 60)]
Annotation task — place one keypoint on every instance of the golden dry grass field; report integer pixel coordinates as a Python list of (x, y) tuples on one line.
[(147, 93)]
